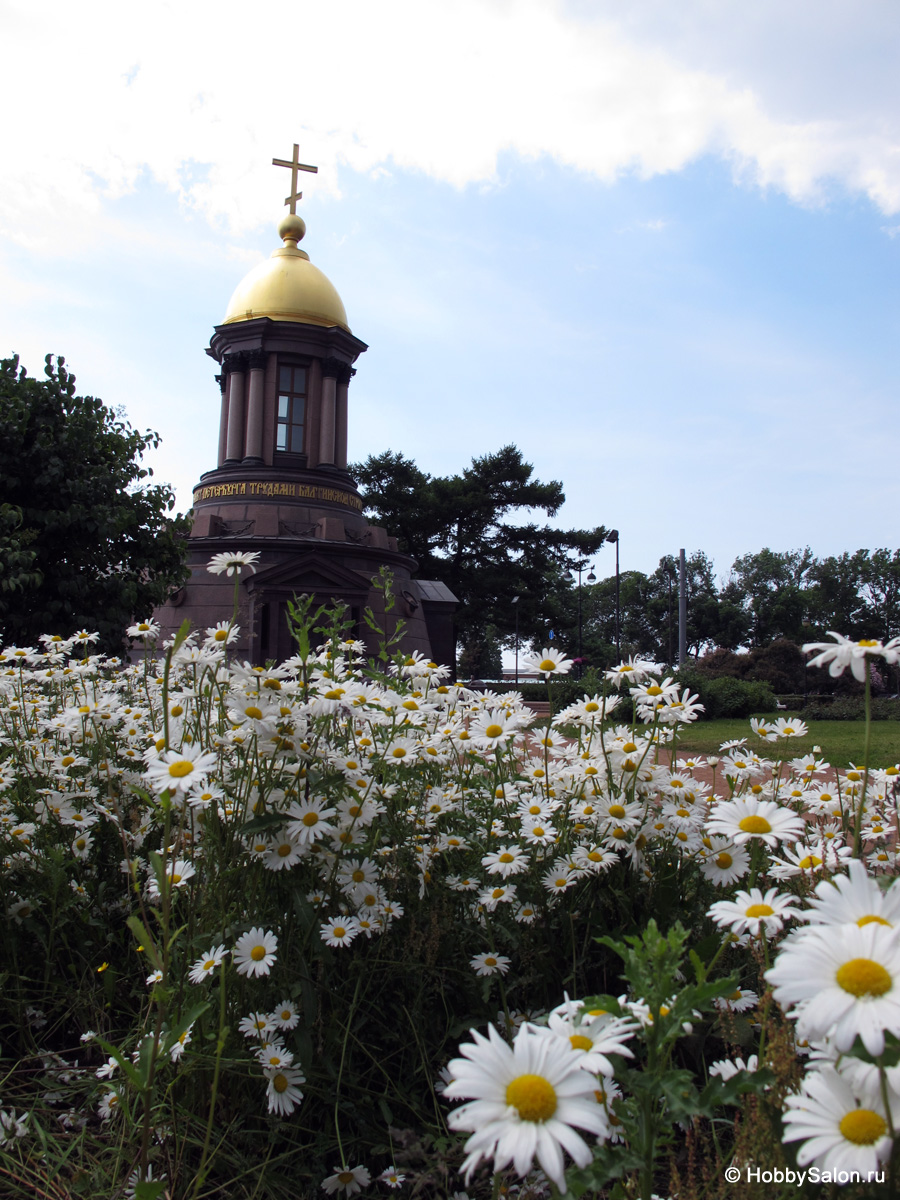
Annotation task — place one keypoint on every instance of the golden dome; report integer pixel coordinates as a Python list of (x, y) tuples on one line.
[(287, 287)]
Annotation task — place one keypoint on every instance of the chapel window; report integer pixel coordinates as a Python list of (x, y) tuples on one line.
[(291, 408)]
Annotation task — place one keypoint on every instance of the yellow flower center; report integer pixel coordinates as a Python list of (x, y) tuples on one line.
[(592, 706), (538, 831), (507, 858), (854, 775), (175, 877), (209, 964), (754, 824), (870, 918), (547, 664), (580, 1042), (863, 1126), (179, 769), (68, 760), (867, 642), (399, 752), (863, 977), (490, 961), (497, 893), (759, 910), (284, 849), (348, 1176), (493, 731), (629, 748), (808, 863), (617, 811), (629, 765), (258, 953), (339, 931), (532, 1095), (254, 713)]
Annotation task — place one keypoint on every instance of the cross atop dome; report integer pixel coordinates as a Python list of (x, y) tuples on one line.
[(294, 165)]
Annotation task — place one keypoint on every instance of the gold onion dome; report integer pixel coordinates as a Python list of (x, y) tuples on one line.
[(287, 287)]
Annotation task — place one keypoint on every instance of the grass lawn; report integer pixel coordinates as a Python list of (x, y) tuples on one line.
[(841, 741)]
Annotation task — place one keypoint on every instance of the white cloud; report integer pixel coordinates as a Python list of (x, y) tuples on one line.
[(201, 98)]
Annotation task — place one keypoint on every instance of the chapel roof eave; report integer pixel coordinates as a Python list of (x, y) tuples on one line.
[(285, 337)]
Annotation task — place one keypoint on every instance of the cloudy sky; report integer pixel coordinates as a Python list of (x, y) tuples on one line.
[(658, 251)]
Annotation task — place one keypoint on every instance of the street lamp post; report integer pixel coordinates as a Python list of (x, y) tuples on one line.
[(592, 578), (515, 603), (613, 536)]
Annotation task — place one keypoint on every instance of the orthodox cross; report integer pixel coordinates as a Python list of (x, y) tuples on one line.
[(295, 165)]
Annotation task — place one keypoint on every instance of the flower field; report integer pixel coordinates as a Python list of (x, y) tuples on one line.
[(338, 926)]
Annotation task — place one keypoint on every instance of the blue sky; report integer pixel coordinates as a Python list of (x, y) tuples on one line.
[(659, 252)]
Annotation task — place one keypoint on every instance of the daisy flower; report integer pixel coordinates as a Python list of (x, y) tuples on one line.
[(310, 820), (348, 1181), (207, 964), (256, 1025), (339, 931), (725, 863), (231, 561), (751, 911), (489, 964), (282, 1092), (845, 654), (254, 952), (286, 1015), (840, 1130), (727, 1068), (391, 1177), (179, 770), (508, 860), (593, 1038), (747, 817), (524, 1101), (856, 898), (843, 982), (547, 662)]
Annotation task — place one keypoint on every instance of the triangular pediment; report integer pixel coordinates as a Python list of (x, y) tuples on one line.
[(309, 572)]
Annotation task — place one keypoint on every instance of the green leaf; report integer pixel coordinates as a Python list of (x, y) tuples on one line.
[(145, 939), (150, 1189), (183, 1025)]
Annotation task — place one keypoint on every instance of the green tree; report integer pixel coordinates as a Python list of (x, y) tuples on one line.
[(773, 588), (85, 542), (462, 530)]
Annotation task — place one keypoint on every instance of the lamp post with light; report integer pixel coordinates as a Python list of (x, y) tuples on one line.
[(515, 603), (613, 536), (591, 578)]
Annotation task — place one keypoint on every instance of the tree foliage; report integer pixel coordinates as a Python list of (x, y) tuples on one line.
[(463, 530), (85, 542)]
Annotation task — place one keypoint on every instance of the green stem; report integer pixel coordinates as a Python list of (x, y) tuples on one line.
[(202, 1170)]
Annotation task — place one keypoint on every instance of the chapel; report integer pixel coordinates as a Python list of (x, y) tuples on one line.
[(281, 486)]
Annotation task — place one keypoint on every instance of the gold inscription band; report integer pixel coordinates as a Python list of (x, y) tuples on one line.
[(294, 491)]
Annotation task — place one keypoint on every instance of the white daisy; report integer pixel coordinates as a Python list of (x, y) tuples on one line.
[(751, 911), (282, 1091), (524, 1100), (842, 1129), (489, 964), (347, 1180), (254, 952), (842, 981), (854, 897), (747, 817), (207, 964)]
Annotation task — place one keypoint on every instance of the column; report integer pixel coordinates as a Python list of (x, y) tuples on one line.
[(234, 444), (340, 420), (327, 418), (255, 406), (223, 419)]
